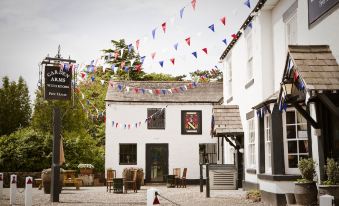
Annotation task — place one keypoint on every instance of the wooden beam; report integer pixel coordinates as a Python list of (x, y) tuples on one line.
[(231, 143), (306, 115), (329, 104)]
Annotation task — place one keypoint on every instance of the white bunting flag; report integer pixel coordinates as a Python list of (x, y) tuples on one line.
[(102, 81), (121, 52)]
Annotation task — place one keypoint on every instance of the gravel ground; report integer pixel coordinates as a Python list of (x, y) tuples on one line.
[(98, 196)]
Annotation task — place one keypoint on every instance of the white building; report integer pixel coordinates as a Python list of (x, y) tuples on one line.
[(159, 126), (274, 140)]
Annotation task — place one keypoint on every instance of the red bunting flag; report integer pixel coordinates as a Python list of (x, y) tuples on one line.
[(223, 20), (295, 75), (137, 44), (172, 60), (157, 91), (163, 25), (190, 85), (129, 126), (234, 36), (188, 40), (193, 2), (205, 50), (83, 74), (138, 67), (116, 54), (136, 90), (153, 55), (116, 125), (176, 90)]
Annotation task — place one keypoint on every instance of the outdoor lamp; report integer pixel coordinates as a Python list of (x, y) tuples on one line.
[(287, 88)]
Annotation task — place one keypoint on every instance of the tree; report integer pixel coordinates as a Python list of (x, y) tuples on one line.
[(15, 110), (207, 75)]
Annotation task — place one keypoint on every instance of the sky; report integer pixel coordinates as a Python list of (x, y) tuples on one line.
[(32, 29)]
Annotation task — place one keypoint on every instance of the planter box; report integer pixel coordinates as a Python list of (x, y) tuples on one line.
[(86, 171), (305, 193), (332, 190)]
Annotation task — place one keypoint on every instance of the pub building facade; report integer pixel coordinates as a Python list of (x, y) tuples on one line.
[(288, 98), (158, 126)]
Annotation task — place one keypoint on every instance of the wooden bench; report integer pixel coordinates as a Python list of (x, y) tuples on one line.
[(70, 179)]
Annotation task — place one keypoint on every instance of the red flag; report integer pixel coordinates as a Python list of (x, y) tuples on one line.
[(205, 50), (129, 126), (136, 90), (188, 40), (137, 44), (172, 60), (223, 20), (116, 125), (116, 54), (153, 55), (157, 91), (190, 85), (163, 25), (295, 75), (138, 67), (176, 90), (83, 75), (234, 36), (193, 3)]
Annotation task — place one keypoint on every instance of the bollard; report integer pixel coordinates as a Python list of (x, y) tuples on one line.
[(201, 179), (12, 191), (207, 181), (1, 184), (28, 191), (151, 196)]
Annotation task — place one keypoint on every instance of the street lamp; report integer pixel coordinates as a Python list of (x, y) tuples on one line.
[(287, 87)]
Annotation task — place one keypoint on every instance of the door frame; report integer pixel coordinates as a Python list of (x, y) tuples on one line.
[(148, 160)]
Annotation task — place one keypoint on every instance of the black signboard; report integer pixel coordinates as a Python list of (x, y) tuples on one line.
[(58, 83), (317, 8), (191, 122)]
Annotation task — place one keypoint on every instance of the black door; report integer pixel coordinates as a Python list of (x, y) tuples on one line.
[(156, 162)]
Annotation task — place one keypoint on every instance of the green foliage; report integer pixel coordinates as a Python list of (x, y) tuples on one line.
[(332, 171), (214, 74), (25, 150), (307, 170), (254, 195), (162, 77), (15, 110)]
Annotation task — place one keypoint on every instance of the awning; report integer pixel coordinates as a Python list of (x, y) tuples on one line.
[(227, 121), (267, 104)]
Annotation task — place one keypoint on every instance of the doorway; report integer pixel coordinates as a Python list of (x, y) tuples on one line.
[(156, 162)]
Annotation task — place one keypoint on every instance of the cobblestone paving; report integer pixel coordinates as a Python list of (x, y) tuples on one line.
[(98, 196)]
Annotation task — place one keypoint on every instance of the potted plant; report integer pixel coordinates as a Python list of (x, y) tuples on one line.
[(305, 189), (330, 186), (47, 179), (86, 169)]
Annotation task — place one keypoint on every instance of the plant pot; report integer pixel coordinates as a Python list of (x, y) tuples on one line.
[(332, 190), (290, 199), (46, 180), (305, 193)]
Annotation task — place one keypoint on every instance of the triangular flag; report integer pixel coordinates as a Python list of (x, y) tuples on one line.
[(116, 54), (137, 44), (223, 20), (142, 59), (126, 68), (130, 46), (121, 52), (163, 25), (92, 78), (176, 46), (248, 3), (113, 67), (116, 125), (153, 55), (195, 54), (136, 90), (182, 12), (211, 27), (172, 60), (132, 61), (138, 67), (295, 75), (153, 33), (225, 41), (234, 36), (205, 50), (250, 25), (188, 40), (122, 64), (127, 89), (161, 63), (193, 2), (157, 91), (102, 81), (163, 91), (120, 87)]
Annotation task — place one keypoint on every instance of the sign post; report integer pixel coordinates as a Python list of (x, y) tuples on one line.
[(58, 86)]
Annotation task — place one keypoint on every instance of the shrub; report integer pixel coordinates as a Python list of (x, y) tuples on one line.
[(332, 170), (254, 195), (307, 170)]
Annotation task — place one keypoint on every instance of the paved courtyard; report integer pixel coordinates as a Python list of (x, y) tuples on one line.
[(98, 196)]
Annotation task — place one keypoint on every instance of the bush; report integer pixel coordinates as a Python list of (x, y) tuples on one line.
[(332, 170), (254, 195), (307, 170)]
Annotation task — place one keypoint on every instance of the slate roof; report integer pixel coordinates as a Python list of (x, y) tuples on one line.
[(211, 92), (227, 120), (316, 65)]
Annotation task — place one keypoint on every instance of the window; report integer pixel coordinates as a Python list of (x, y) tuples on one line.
[(128, 154), (229, 76), (156, 118), (268, 140), (208, 153), (295, 140), (249, 44), (251, 144), (291, 30)]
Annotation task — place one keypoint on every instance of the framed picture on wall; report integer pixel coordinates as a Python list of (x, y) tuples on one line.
[(191, 122)]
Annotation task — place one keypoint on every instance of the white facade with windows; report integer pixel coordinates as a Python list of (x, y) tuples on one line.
[(275, 26)]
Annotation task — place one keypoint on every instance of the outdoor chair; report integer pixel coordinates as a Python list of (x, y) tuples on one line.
[(176, 173), (109, 180), (182, 180), (132, 182)]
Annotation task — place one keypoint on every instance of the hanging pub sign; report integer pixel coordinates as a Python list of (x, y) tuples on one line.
[(191, 122), (317, 8), (58, 83)]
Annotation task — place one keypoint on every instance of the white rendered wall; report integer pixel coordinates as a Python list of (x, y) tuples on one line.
[(183, 149)]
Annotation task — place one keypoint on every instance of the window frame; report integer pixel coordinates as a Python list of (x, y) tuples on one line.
[(288, 23), (214, 154), (249, 54), (252, 163), (136, 154), (149, 123), (290, 170), (229, 76), (268, 142)]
